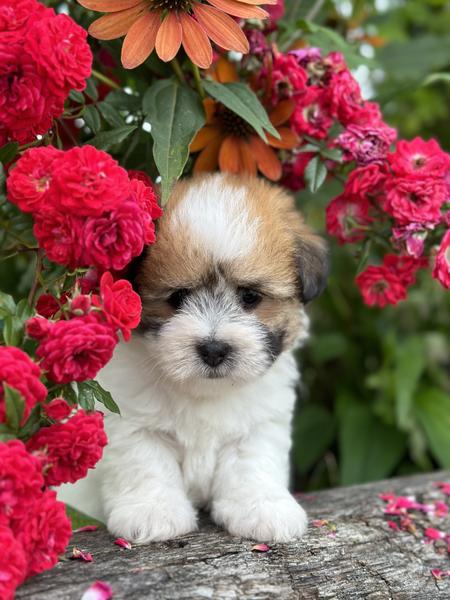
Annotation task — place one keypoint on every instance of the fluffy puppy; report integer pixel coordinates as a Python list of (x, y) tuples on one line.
[(206, 386)]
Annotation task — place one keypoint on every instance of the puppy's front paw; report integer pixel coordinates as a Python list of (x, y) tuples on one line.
[(154, 521), (262, 518)]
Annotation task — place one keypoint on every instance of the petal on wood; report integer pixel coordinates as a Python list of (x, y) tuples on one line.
[(266, 159), (225, 71), (229, 155), (108, 5), (248, 162), (282, 112), (203, 137), (195, 42), (208, 158), (168, 40), (221, 28), (115, 25), (288, 141), (140, 40), (238, 9)]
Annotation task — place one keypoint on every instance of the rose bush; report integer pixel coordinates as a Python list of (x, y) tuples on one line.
[(86, 167)]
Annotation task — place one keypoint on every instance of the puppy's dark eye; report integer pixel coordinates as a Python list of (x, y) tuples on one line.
[(249, 298), (177, 297)]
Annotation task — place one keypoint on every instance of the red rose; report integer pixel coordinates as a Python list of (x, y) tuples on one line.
[(112, 240), (366, 144), (121, 304), (312, 116), (20, 481), (293, 172), (140, 176), (29, 181), (380, 286), (38, 327), (58, 409), (70, 448), (365, 180), (88, 182), (347, 217), (15, 15), (44, 533), (19, 372), (419, 158), (47, 305), (13, 564), (60, 235), (415, 200), (441, 270), (27, 106), (344, 96), (62, 54), (146, 199), (77, 349), (404, 267)]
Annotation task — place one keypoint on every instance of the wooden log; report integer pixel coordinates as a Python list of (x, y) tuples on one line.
[(363, 558)]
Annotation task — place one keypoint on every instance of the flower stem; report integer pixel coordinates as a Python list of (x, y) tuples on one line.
[(315, 9), (112, 84), (177, 69), (37, 276), (198, 81)]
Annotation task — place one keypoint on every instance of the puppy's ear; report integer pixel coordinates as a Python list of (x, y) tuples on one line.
[(312, 264)]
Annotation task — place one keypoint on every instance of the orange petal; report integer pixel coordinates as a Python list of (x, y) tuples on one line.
[(248, 162), (258, 1), (108, 5), (208, 157), (237, 9), (225, 71), (140, 40), (115, 25), (229, 155), (203, 137), (221, 28), (282, 112), (168, 40), (266, 159), (195, 42), (288, 141), (210, 109)]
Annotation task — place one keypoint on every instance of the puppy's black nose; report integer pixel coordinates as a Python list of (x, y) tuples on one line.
[(213, 352)]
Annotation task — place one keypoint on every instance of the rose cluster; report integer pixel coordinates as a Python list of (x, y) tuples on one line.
[(42, 57), (87, 211)]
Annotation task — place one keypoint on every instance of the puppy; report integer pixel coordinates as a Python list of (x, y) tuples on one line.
[(206, 386)]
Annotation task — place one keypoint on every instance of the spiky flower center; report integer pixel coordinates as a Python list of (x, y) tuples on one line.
[(172, 5), (233, 124)]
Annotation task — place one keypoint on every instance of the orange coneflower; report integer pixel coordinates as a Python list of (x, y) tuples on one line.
[(230, 143), (164, 25)]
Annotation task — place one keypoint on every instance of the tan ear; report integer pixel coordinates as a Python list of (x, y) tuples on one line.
[(312, 262)]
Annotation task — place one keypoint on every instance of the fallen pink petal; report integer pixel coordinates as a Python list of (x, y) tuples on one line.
[(444, 487), (260, 548), (123, 543), (86, 528), (78, 554), (434, 534), (99, 590), (393, 525), (319, 523)]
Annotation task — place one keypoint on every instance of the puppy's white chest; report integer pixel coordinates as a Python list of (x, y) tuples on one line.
[(198, 466)]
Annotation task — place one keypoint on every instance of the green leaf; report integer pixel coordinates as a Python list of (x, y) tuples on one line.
[(23, 310), (68, 393), (12, 331), (76, 96), (123, 101), (432, 410), (80, 519), (365, 254), (106, 139), (176, 114), (86, 398), (110, 114), (240, 99), (410, 363), (92, 118), (7, 305), (369, 449), (91, 89), (14, 407), (314, 430), (315, 174), (8, 152), (5, 433), (32, 424)]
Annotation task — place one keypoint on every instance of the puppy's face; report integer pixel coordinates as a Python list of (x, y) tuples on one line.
[(224, 286)]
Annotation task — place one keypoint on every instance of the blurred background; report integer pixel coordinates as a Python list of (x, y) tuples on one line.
[(375, 397)]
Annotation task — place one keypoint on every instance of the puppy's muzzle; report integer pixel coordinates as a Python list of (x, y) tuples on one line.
[(213, 352)]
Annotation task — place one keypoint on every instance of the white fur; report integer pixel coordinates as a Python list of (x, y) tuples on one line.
[(170, 452)]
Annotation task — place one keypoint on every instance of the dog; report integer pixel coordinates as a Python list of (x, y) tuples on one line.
[(206, 386)]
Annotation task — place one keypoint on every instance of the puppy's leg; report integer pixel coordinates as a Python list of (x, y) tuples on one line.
[(250, 495), (142, 488)]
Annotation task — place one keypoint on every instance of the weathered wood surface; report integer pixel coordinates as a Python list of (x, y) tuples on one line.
[(365, 559)]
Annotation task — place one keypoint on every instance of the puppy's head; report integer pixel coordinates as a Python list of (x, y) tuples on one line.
[(223, 288)]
